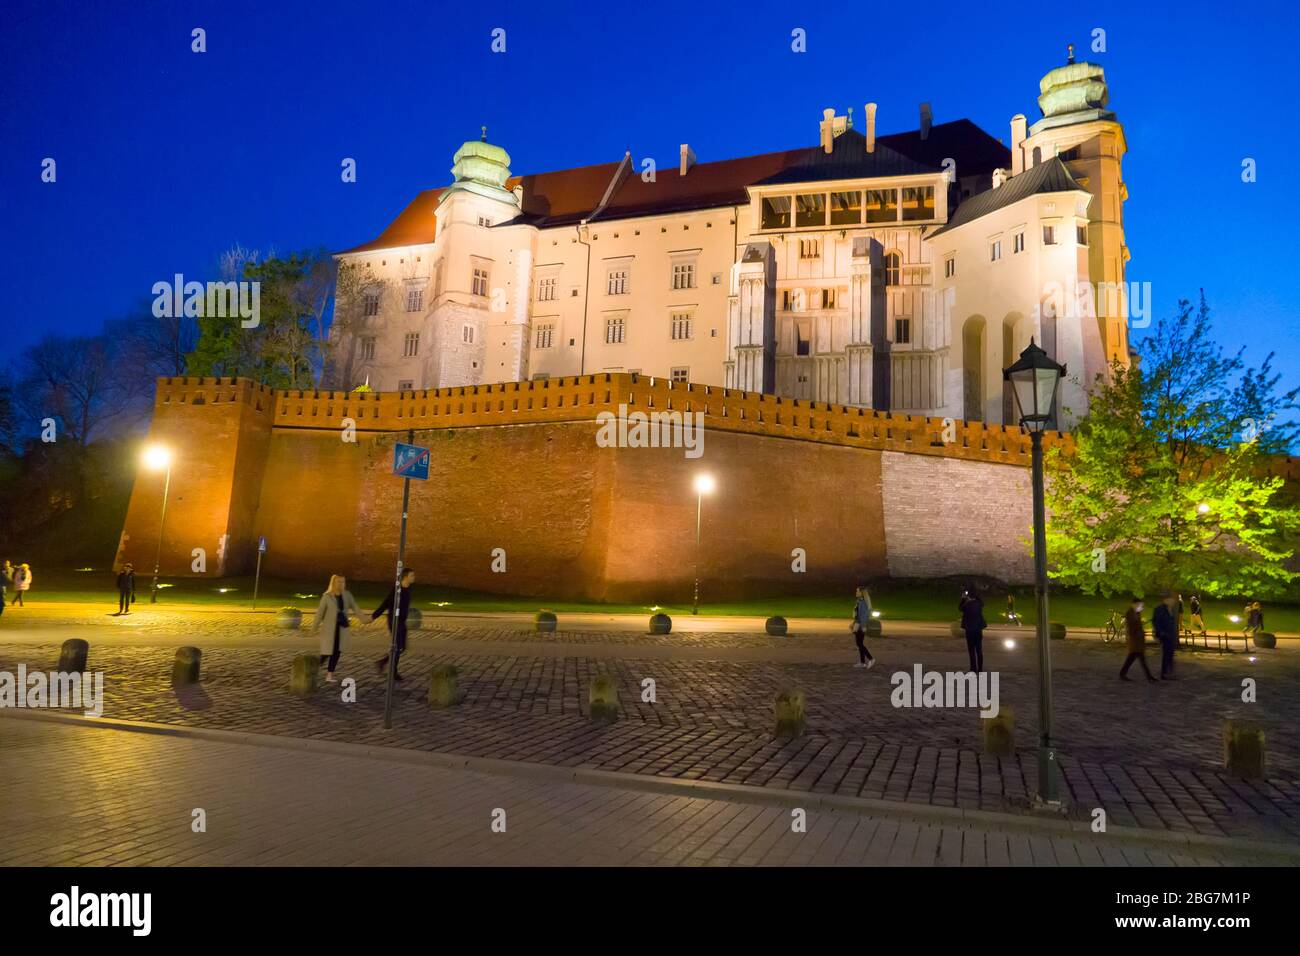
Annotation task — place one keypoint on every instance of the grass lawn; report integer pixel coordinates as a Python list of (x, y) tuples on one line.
[(910, 601)]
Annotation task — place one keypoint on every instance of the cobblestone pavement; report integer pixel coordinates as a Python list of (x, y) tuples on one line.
[(104, 797), (1150, 756)]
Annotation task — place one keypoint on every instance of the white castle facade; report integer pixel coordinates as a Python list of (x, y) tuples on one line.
[(898, 272)]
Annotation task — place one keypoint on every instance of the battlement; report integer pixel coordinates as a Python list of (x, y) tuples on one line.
[(584, 397)]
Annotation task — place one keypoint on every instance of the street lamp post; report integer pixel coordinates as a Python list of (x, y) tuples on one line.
[(704, 485), (1034, 378), (157, 457)]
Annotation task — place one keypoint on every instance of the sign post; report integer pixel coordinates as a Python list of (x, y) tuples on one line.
[(261, 550), (409, 461)]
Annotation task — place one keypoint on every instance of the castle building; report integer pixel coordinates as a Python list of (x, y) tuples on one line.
[(898, 272)]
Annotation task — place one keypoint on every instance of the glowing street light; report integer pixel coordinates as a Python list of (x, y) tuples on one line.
[(1034, 379), (1202, 509), (704, 485), (159, 458)]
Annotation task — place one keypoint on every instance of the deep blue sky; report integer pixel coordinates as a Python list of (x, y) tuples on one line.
[(166, 157)]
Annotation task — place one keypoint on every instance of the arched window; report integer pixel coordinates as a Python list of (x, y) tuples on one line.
[(893, 268), (1038, 155)]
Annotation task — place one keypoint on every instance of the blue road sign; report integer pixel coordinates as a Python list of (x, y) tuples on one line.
[(261, 545), (411, 461)]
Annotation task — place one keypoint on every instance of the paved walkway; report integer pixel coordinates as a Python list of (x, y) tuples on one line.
[(104, 797), (1150, 756)]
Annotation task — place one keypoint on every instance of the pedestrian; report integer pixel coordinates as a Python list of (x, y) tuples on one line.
[(1164, 622), (125, 588), (332, 622), (1198, 622), (6, 583), (22, 583), (1137, 641), (861, 618), (971, 606), (1254, 618), (1179, 623), (1011, 609), (403, 608)]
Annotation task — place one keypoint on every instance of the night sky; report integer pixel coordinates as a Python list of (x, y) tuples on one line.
[(166, 157)]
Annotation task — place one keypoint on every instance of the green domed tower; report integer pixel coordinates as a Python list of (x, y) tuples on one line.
[(483, 169)]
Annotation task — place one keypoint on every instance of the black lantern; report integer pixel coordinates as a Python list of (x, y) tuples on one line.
[(1034, 378)]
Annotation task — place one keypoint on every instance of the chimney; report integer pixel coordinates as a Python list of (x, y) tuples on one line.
[(1018, 133), (999, 177), (871, 127), (688, 159), (926, 116), (828, 130)]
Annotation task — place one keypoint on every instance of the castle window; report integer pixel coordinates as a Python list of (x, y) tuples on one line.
[(411, 345), (950, 264), (484, 221), (801, 343), (1071, 154), (684, 275), (810, 248), (614, 330), (1018, 243), (846, 208), (918, 202), (414, 300), (405, 385), (828, 298), (479, 283), (882, 205), (902, 331), (893, 268), (1049, 235), (1038, 155), (1081, 234), (681, 326), (810, 209), (680, 374), (616, 282), (368, 348), (467, 334), (370, 304), (546, 290), (995, 250), (776, 212), (545, 333)]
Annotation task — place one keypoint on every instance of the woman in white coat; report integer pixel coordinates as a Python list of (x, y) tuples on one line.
[(333, 620)]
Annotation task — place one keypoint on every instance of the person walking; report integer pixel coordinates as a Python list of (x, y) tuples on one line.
[(1012, 617), (125, 588), (1164, 622), (971, 606), (6, 584), (403, 605), (1198, 622), (1254, 618), (861, 618), (22, 583), (332, 622), (1137, 640)]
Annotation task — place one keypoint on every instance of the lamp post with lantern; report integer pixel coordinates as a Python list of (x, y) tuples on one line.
[(1034, 379), (159, 458), (704, 485)]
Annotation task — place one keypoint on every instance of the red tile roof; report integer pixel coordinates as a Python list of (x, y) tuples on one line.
[(569, 195)]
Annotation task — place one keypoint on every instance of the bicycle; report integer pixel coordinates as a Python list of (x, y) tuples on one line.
[(1111, 630)]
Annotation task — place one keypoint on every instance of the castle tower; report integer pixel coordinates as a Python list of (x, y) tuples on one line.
[(1077, 126), (479, 322)]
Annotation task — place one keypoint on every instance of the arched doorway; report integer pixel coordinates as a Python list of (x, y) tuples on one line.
[(972, 369)]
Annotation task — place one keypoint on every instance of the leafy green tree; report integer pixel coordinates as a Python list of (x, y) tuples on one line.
[(1174, 481)]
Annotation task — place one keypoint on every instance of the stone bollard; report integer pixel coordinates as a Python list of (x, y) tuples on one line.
[(1056, 631), (999, 733), (1243, 749), (956, 630), (661, 624), (873, 628), (789, 709), (545, 621), (414, 619), (288, 617), (602, 699), (776, 626), (443, 685), (1265, 640), (306, 671), (185, 669), (72, 656)]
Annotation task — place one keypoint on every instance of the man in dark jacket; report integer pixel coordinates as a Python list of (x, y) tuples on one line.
[(1165, 624), (1137, 640), (125, 589), (404, 606), (971, 606)]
